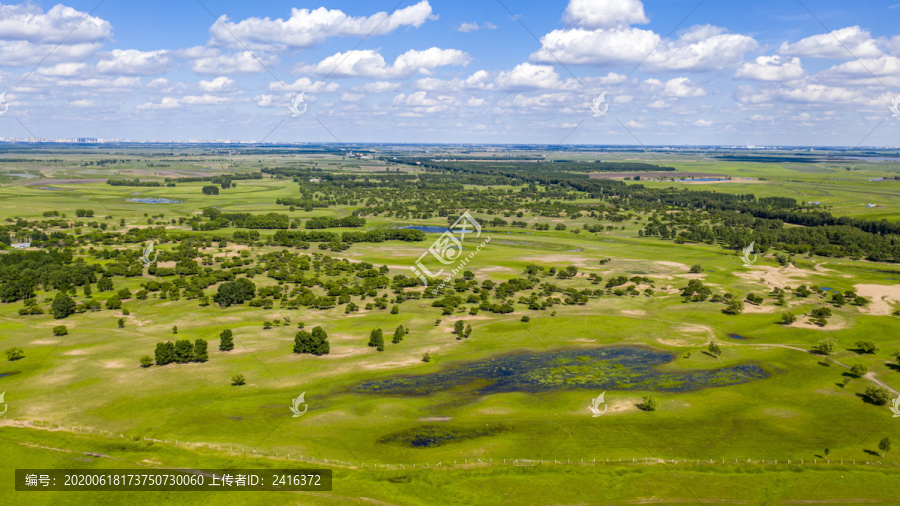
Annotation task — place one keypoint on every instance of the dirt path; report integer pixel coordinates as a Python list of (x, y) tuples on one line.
[(869, 376)]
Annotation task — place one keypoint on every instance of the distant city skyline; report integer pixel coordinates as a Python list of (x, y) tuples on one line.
[(768, 73)]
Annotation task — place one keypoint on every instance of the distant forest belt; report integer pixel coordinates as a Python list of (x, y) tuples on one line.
[(614, 175)]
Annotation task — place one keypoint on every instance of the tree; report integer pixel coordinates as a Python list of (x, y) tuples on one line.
[(165, 353), (320, 340), (104, 284), (226, 340), (114, 302), (60, 330), (398, 334), (238, 380), (826, 346), (788, 318), (201, 350), (121, 323), (734, 307), (867, 346), (146, 361), (210, 190), (754, 298), (877, 396), (62, 306), (426, 357), (376, 339), (714, 349), (884, 445), (650, 403), (184, 351), (315, 343), (458, 327), (13, 354), (697, 268), (526, 319), (174, 329), (468, 331), (234, 292), (395, 309), (859, 370)]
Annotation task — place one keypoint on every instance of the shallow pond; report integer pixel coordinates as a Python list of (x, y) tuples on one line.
[(155, 201), (434, 229), (611, 368)]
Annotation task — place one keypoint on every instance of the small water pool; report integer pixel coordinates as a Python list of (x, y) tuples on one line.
[(155, 201)]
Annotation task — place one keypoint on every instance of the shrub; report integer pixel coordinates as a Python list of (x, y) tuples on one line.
[(867, 346), (650, 404), (426, 357), (146, 361), (238, 380), (826, 346), (60, 330), (877, 396), (13, 354), (526, 319)]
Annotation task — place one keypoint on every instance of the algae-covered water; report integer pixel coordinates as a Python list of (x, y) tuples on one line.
[(611, 368)]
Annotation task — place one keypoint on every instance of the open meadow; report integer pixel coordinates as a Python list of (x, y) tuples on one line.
[(737, 349)]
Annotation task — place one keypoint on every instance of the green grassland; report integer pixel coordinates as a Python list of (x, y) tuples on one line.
[(86, 388)]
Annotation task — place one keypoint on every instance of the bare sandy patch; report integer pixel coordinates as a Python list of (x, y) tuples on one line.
[(44, 342), (392, 365), (673, 342), (496, 268), (114, 364), (584, 340), (166, 265), (805, 323), (558, 259), (436, 419), (881, 296), (620, 405), (775, 277), (676, 265), (633, 312), (75, 353), (751, 308)]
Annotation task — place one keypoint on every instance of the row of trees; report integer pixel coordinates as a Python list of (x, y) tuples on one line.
[(179, 352)]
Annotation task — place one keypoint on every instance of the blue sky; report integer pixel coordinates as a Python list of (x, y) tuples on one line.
[(766, 73)]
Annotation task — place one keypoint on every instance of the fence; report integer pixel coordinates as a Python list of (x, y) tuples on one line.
[(476, 462)]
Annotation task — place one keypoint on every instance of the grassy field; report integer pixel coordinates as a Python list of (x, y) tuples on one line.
[(86, 392)]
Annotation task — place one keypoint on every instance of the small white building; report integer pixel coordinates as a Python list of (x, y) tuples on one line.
[(21, 245)]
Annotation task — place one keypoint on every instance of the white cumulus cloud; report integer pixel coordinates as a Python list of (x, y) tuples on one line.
[(307, 27)]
